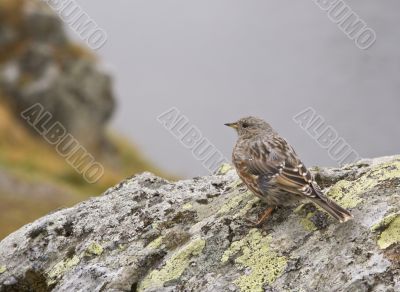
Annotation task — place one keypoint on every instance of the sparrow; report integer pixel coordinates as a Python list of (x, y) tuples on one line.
[(271, 169)]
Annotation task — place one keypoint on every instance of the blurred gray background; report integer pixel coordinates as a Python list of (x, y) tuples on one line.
[(218, 60)]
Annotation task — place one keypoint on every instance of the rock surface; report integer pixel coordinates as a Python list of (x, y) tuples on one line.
[(149, 234), (39, 64)]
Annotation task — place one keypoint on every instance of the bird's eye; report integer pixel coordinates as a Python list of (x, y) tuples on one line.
[(245, 125)]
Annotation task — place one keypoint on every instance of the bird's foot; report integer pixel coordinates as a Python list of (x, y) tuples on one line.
[(264, 217)]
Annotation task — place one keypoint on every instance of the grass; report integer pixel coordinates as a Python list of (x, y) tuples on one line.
[(32, 163)]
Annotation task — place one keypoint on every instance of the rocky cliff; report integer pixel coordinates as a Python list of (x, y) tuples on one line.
[(149, 234), (40, 64)]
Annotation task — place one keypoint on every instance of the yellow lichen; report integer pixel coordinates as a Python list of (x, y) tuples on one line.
[(174, 267), (156, 243), (224, 168), (305, 221), (156, 224), (94, 249), (234, 202), (60, 268), (3, 269), (347, 193), (307, 224), (384, 222), (391, 235), (265, 266), (299, 209), (243, 211), (187, 206)]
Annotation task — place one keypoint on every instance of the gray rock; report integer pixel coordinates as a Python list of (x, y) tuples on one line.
[(149, 234)]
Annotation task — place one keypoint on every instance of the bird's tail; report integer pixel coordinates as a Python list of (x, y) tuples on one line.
[(341, 214)]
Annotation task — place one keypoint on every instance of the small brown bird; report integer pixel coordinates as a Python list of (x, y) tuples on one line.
[(271, 169)]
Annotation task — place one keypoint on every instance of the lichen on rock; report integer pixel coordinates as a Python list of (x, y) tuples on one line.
[(307, 223), (142, 235), (94, 249), (264, 264), (391, 233), (62, 267), (174, 267), (347, 193), (156, 243), (382, 224)]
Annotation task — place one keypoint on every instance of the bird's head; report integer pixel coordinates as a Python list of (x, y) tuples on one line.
[(250, 125)]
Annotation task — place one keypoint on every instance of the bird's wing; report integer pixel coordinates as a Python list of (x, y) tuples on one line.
[(275, 160)]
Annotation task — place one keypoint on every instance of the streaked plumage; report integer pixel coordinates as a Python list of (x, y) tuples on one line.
[(271, 169)]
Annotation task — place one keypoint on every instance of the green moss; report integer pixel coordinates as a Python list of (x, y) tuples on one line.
[(256, 254), (94, 249), (174, 267), (61, 268), (3, 269), (347, 193), (391, 235)]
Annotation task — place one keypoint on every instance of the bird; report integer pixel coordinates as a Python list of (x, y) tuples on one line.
[(269, 166)]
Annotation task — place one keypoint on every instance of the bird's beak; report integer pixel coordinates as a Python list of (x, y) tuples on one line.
[(232, 125)]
